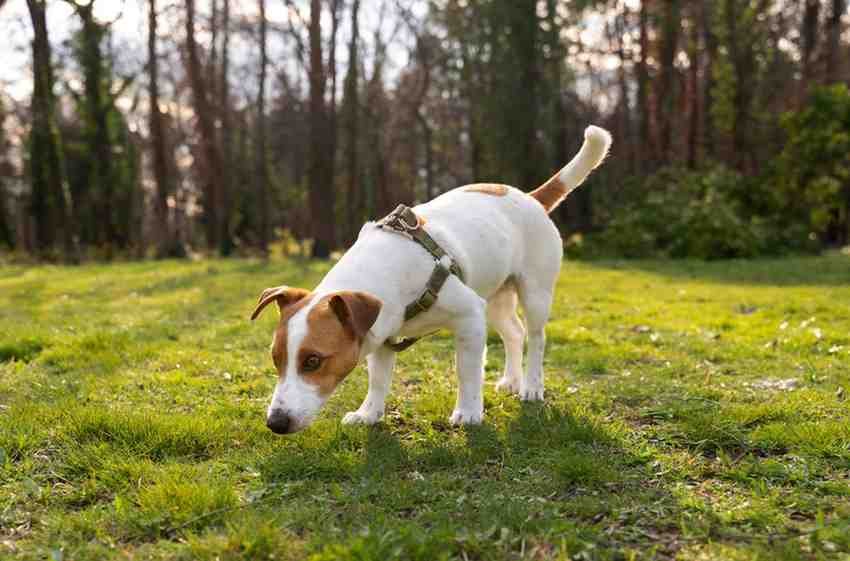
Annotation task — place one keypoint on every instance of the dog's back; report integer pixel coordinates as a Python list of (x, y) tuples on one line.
[(496, 232)]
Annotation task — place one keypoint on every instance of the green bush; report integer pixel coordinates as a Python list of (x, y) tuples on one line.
[(812, 173), (685, 213), (800, 203)]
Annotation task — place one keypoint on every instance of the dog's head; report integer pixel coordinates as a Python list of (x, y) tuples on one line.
[(316, 344)]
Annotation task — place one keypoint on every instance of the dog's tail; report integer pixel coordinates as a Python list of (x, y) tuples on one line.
[(596, 143)]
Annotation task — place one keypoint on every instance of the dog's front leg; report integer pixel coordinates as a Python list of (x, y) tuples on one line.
[(380, 363), (470, 343)]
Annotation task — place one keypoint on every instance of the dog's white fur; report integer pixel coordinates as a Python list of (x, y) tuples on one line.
[(510, 252)]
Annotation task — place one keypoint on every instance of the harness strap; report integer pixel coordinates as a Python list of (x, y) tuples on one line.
[(405, 222)]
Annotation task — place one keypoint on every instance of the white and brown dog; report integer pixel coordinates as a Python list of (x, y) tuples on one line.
[(510, 252)]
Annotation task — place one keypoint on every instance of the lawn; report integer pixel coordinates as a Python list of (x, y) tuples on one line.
[(693, 411)]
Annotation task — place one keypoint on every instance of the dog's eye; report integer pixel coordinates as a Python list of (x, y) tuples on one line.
[(311, 363)]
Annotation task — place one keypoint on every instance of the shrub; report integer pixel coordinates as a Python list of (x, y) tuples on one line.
[(812, 173), (685, 213)]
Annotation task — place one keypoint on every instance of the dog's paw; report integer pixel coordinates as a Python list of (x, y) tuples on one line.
[(531, 393), (361, 418), (507, 385), (461, 417)]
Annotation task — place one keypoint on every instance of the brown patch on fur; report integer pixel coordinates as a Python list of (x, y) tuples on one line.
[(357, 311), (550, 193), (336, 326), (494, 189)]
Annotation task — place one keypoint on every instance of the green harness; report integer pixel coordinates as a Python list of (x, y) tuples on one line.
[(405, 222)]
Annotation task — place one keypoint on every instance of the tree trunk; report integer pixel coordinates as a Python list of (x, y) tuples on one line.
[(665, 97), (424, 61), (710, 50), (332, 117), (212, 63), (642, 71), (6, 236), (352, 118), (226, 244), (165, 242), (740, 48), (809, 38), (97, 132), (625, 106), (50, 205), (261, 169), (833, 38), (693, 94), (211, 168), (568, 212), (320, 183), (523, 32)]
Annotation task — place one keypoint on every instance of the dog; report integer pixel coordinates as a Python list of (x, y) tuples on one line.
[(497, 248)]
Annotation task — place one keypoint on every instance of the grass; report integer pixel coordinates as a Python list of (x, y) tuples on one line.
[(694, 411)]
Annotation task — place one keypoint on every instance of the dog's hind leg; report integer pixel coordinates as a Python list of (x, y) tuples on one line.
[(381, 363), (502, 316), (536, 303)]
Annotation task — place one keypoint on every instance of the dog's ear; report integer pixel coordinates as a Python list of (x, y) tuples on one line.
[(283, 295), (357, 311)]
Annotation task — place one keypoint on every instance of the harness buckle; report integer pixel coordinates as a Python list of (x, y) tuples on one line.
[(406, 226)]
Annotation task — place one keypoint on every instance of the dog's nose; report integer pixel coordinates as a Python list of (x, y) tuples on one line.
[(278, 422)]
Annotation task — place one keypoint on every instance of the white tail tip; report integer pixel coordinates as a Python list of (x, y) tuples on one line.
[(598, 135), (597, 141)]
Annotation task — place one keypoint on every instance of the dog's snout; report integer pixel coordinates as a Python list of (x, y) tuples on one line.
[(278, 422)]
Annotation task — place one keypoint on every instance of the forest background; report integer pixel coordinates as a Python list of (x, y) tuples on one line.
[(167, 128)]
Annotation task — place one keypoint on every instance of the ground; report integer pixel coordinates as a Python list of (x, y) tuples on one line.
[(693, 411)]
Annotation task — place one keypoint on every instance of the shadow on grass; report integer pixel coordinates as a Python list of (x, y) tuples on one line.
[(550, 479), (790, 271)]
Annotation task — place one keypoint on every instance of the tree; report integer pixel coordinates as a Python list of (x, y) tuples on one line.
[(740, 30), (96, 109), (50, 205), (6, 171), (320, 174), (809, 39), (645, 126), (710, 51), (261, 169), (833, 38), (224, 106), (211, 166), (351, 118), (167, 244), (813, 170), (665, 98), (106, 164)]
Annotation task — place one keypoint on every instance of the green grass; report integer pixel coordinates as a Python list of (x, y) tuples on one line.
[(694, 411)]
